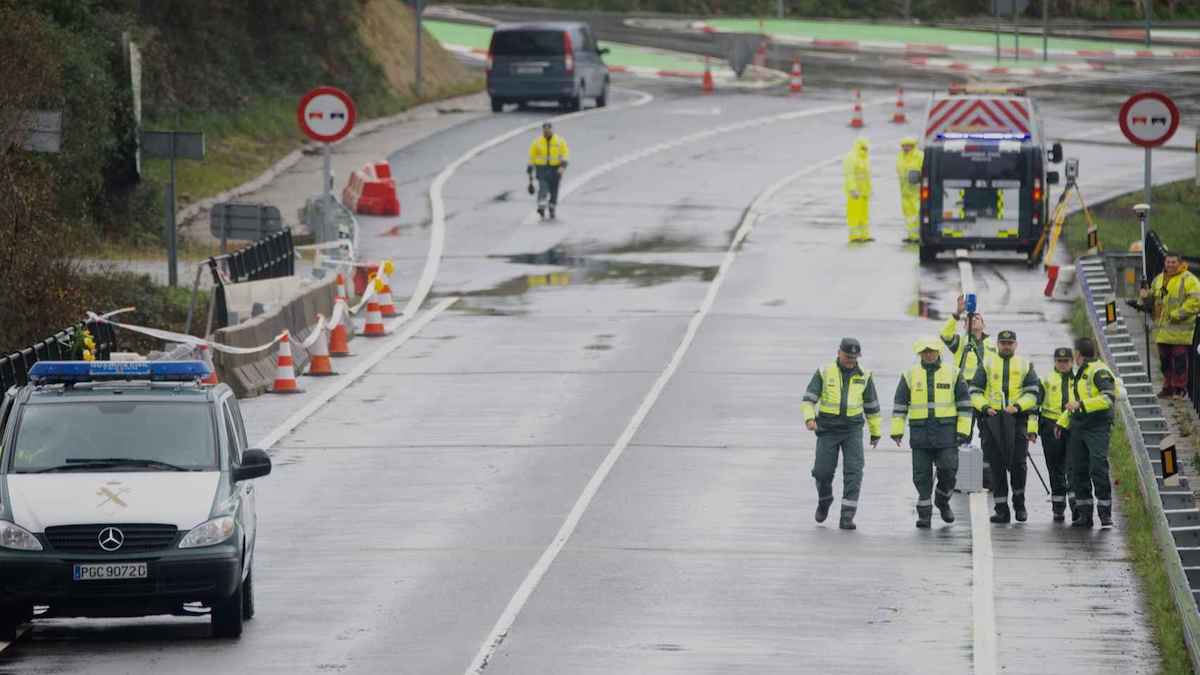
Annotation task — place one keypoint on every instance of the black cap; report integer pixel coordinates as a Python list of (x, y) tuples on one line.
[(1006, 336), (1063, 353), (850, 346)]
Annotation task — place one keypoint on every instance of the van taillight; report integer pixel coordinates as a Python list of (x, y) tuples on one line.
[(925, 190), (488, 65), (1037, 190), (568, 53)]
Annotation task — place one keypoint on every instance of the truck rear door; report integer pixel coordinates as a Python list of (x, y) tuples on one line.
[(984, 188)]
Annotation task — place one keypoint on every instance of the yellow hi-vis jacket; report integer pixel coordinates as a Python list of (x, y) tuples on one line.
[(856, 169), (906, 162), (1002, 382), (1176, 305), (848, 404), (966, 360), (549, 152), (1096, 388), (1054, 393), (930, 417)]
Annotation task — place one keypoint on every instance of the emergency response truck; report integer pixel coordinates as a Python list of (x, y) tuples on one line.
[(126, 489), (985, 178)]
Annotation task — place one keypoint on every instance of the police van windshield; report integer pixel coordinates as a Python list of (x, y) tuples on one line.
[(113, 436), (528, 43)]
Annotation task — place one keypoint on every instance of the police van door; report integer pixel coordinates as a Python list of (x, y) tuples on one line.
[(983, 184)]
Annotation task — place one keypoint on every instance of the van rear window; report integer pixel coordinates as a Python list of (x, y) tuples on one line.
[(527, 43)]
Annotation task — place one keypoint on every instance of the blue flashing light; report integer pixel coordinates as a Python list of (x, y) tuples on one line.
[(982, 136), (47, 372)]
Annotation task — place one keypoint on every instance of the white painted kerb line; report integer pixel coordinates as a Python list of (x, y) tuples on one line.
[(521, 597), (983, 599)]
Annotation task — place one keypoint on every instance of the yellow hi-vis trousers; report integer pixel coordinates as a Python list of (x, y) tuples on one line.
[(857, 215), (910, 205)]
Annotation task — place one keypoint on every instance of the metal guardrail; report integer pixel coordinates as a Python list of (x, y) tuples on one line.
[(1176, 521), (14, 368), (271, 258)]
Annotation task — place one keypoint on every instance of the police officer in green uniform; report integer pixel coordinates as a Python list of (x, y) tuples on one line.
[(935, 402), (1004, 392), (1089, 418), (837, 398), (1054, 393)]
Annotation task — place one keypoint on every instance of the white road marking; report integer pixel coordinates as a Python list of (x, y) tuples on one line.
[(505, 623), (21, 630), (983, 599), (392, 344)]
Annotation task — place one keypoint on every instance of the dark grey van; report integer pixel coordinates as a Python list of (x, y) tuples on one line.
[(546, 61)]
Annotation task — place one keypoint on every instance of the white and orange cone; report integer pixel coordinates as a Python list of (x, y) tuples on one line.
[(285, 370), (319, 364), (899, 117), (342, 289), (796, 85), (206, 357), (387, 307), (374, 324), (856, 120), (339, 337)]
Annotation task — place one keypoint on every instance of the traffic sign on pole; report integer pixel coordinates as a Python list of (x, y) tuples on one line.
[(326, 114), (1149, 119)]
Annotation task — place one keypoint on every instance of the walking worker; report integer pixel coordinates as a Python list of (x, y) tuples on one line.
[(908, 170), (856, 173), (970, 347), (1174, 301), (934, 400), (1089, 418), (1054, 393), (1004, 392), (548, 157), (838, 397)]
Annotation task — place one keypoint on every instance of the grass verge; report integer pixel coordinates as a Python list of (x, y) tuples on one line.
[(1176, 209), (1144, 553)]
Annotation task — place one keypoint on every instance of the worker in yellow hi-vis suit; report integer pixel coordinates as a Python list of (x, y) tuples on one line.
[(856, 171), (908, 170)]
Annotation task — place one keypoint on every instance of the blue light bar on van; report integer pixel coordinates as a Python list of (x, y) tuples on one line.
[(44, 372), (981, 136)]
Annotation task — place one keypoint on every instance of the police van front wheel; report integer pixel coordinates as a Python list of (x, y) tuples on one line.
[(927, 254), (229, 614), (11, 618)]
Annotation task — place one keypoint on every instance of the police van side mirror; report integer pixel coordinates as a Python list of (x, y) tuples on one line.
[(255, 464), (1051, 178), (1056, 154), (602, 51)]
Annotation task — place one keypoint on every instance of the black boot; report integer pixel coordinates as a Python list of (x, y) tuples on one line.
[(1059, 509), (1083, 516), (944, 510), (823, 509), (541, 212), (552, 212), (1105, 513), (924, 516), (847, 521), (1019, 511), (1002, 514)]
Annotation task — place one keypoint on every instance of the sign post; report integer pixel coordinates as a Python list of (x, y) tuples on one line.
[(172, 145), (1148, 119), (326, 115)]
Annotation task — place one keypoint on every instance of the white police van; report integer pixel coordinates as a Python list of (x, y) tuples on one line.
[(125, 490)]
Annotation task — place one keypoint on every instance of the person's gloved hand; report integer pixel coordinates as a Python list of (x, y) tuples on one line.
[(531, 190), (854, 194), (875, 441), (963, 439), (1134, 304), (897, 438)]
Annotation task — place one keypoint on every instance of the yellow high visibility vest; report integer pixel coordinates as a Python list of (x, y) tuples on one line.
[(995, 394), (552, 152), (942, 405), (831, 391), (1057, 395), (1176, 304)]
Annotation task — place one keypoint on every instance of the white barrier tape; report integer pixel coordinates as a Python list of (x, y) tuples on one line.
[(171, 336), (369, 293), (342, 243), (312, 338)]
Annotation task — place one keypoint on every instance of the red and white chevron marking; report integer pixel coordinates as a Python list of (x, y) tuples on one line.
[(969, 114)]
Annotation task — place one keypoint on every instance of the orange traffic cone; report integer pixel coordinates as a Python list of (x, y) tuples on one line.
[(320, 365), (285, 371), (796, 85), (206, 357), (856, 120), (343, 288), (706, 84), (898, 117), (374, 324), (339, 337)]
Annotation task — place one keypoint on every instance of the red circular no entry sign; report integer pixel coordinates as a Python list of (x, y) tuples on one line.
[(326, 114), (1149, 119)]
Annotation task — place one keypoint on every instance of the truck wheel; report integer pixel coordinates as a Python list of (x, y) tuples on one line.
[(927, 255), (602, 99), (248, 597), (227, 616)]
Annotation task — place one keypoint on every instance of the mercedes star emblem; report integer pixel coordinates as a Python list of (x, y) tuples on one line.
[(111, 539)]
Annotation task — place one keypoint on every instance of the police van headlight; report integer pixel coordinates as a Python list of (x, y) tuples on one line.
[(208, 533), (17, 538)]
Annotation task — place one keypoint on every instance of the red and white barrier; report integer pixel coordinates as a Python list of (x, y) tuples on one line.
[(371, 191)]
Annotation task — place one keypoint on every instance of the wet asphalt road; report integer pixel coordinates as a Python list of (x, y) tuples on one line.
[(403, 516)]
